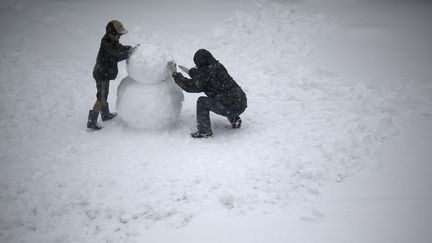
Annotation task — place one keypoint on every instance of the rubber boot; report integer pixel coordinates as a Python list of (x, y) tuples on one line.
[(236, 123), (202, 134), (106, 114), (92, 120)]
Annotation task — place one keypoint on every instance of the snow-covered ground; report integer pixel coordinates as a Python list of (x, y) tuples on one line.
[(335, 145)]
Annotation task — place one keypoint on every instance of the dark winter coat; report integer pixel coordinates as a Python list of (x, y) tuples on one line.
[(213, 79), (110, 52)]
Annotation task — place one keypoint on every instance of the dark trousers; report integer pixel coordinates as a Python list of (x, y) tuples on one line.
[(207, 104)]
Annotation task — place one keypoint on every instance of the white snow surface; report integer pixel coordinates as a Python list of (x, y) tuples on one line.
[(149, 106), (334, 145)]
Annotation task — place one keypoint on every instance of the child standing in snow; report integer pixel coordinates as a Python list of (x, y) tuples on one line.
[(110, 53), (224, 95)]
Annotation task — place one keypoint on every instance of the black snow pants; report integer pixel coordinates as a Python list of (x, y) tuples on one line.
[(207, 104)]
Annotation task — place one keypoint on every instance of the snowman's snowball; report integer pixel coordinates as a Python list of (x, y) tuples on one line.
[(149, 106), (148, 64)]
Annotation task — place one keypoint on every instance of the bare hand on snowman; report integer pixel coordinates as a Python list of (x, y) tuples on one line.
[(172, 67)]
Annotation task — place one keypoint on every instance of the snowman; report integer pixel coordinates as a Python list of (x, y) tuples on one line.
[(148, 97)]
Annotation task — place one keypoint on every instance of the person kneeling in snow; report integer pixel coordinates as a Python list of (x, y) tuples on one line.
[(224, 95), (110, 52)]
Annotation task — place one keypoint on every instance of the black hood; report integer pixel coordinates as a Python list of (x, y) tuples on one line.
[(203, 58)]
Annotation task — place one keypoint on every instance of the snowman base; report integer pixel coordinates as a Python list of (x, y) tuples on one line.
[(149, 106)]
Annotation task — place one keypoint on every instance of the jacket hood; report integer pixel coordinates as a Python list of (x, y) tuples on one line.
[(203, 58)]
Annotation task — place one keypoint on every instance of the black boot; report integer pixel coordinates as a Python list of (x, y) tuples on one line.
[(202, 134), (236, 122), (105, 113), (92, 120)]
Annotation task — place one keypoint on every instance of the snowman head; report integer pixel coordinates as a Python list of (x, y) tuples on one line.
[(148, 64)]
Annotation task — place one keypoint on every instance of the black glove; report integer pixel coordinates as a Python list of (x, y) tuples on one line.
[(135, 47), (128, 49), (131, 49)]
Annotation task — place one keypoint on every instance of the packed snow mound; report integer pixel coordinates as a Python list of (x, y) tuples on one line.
[(148, 64), (151, 106)]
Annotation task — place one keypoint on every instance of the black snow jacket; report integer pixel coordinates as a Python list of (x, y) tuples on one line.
[(213, 79), (110, 52)]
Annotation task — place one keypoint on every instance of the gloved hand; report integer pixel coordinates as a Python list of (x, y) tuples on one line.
[(131, 50), (135, 47), (172, 67), (184, 69)]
